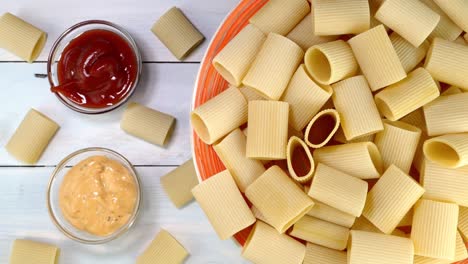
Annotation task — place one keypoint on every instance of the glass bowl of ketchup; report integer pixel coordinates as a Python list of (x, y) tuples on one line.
[(94, 67)]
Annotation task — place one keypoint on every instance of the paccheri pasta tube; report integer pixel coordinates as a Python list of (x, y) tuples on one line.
[(447, 115), (450, 151), (21, 38), (178, 184), (303, 171), (250, 94), (279, 199), (177, 33), (409, 55), (331, 214), (303, 34), (456, 10), (322, 127), (219, 115), (27, 251), (274, 66), (213, 195), (316, 254), (377, 58), (463, 221), (163, 249), (31, 137), (446, 28), (234, 60)]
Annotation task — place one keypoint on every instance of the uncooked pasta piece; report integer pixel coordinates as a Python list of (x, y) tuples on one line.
[(320, 232), (447, 62), (258, 214), (163, 249), (330, 214), (456, 10), (340, 17), (340, 137), (322, 127), (374, 6), (447, 114), (361, 160), (463, 222), (446, 28), (280, 17), (407, 95), (331, 62), (407, 219), (359, 115), (366, 248), (416, 118), (177, 33), (460, 251), (397, 144), (279, 199), (303, 34), (31, 137), (301, 173), (391, 198), (220, 115), (377, 58), (27, 251), (409, 55), (363, 224), (450, 151), (179, 183), (274, 66), (316, 254), (213, 195), (266, 246), (21, 38), (250, 94), (268, 130), (305, 98), (234, 60), (339, 190), (434, 229), (411, 19)]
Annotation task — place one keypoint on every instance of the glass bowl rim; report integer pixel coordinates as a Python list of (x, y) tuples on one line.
[(120, 30), (122, 230)]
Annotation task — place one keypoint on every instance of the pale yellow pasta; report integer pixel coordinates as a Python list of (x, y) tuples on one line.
[(340, 137), (359, 115), (377, 58), (31, 137), (213, 195), (416, 118), (367, 247), (330, 214), (447, 114), (419, 158), (407, 95), (234, 60), (303, 34), (361, 160), (266, 246), (305, 98), (21, 38), (231, 151), (340, 17), (267, 137), (363, 224), (447, 62), (339, 190), (412, 20), (293, 144), (434, 229), (220, 115), (177, 33), (163, 249), (274, 66), (407, 219), (258, 214), (279, 199), (319, 130), (409, 55), (446, 28), (280, 17), (147, 124), (450, 151), (397, 144), (330, 62), (250, 94), (27, 251), (426, 260), (452, 90), (391, 198), (460, 251), (456, 10), (374, 6), (463, 222), (316, 254), (179, 183), (320, 232)]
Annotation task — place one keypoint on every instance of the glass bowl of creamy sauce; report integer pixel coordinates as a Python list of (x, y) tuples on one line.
[(94, 195)]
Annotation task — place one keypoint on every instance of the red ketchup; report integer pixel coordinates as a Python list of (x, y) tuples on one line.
[(96, 69)]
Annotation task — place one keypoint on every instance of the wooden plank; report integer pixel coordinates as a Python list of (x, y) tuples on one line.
[(166, 87), (137, 17), (24, 215)]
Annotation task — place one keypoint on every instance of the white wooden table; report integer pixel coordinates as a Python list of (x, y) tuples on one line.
[(167, 85)]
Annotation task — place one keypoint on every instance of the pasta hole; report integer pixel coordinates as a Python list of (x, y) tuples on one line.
[(300, 161), (441, 153), (200, 127), (321, 129), (318, 65), (225, 73), (384, 109)]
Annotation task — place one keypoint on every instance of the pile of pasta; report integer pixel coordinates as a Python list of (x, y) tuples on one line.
[(345, 128)]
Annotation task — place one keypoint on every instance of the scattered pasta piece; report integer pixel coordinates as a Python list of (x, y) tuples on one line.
[(447, 115), (177, 33), (302, 172), (340, 137), (303, 34), (316, 254), (251, 94), (321, 128), (463, 222), (446, 28), (163, 249), (31, 137), (409, 55), (449, 151), (330, 214), (179, 183), (456, 10), (27, 251)]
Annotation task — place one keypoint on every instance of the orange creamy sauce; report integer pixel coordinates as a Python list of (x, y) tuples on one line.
[(98, 195)]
